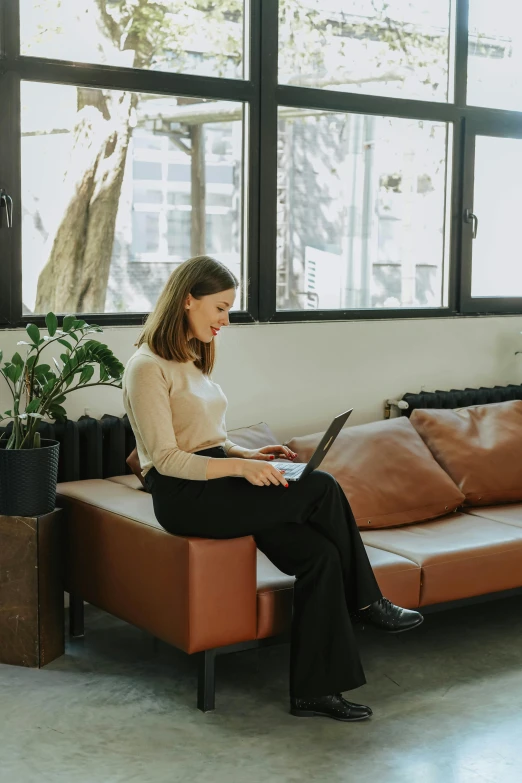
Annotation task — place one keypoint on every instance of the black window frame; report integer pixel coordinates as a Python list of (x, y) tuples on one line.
[(263, 94)]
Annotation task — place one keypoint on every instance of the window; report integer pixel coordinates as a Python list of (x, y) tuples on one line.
[(344, 160), (492, 262), (114, 181), (497, 188), (361, 208), (495, 54)]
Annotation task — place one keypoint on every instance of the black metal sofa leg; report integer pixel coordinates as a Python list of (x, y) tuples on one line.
[(207, 680), (76, 616)]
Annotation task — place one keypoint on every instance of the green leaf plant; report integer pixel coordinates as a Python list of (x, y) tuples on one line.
[(38, 389)]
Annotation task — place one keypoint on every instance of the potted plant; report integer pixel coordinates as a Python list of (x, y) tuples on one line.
[(29, 465)]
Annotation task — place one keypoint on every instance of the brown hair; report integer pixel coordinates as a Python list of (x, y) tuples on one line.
[(165, 330)]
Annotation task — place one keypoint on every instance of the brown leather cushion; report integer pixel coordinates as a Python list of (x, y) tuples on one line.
[(460, 555), (398, 578), (113, 497), (386, 472), (507, 514), (479, 447), (134, 464), (130, 481)]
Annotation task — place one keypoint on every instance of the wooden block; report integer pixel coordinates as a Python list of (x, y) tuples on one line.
[(31, 589)]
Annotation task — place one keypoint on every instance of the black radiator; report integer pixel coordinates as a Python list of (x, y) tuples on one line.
[(461, 398), (90, 448), (97, 448)]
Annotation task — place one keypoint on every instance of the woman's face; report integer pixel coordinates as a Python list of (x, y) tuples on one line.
[(207, 315)]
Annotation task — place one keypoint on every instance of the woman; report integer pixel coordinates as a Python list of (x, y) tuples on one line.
[(204, 485)]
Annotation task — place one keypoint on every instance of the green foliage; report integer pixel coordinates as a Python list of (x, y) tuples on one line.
[(158, 31), (307, 35), (39, 390), (51, 321)]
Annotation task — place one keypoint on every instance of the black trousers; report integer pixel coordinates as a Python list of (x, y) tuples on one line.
[(307, 530)]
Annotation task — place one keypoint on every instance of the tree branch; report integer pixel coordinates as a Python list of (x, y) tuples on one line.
[(112, 27)]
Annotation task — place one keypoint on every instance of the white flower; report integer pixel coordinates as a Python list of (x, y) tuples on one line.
[(22, 416), (23, 342), (35, 415)]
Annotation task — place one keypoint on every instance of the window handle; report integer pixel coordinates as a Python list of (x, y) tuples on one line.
[(469, 217), (7, 202)]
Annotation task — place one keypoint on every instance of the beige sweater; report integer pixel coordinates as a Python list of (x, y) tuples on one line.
[(174, 410)]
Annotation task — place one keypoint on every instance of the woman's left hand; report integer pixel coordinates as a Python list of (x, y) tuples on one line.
[(270, 452)]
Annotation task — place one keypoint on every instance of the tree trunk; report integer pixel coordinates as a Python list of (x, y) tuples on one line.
[(76, 274), (198, 190)]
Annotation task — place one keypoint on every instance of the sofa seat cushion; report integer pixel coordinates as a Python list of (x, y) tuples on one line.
[(479, 447), (460, 555), (387, 473), (114, 496), (131, 481), (509, 514), (275, 592), (398, 578)]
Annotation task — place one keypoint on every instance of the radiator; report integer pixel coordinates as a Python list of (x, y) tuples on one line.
[(456, 398), (90, 448), (97, 448)]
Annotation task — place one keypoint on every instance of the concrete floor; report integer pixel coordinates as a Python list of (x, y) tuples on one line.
[(446, 700)]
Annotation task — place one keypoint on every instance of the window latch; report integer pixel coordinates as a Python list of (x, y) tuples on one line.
[(7, 202), (469, 217)]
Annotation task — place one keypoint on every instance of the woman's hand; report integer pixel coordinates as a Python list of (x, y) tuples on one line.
[(261, 473), (269, 452)]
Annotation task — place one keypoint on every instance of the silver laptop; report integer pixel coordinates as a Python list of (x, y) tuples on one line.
[(296, 471)]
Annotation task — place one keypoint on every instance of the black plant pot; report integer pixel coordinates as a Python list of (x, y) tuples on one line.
[(28, 480)]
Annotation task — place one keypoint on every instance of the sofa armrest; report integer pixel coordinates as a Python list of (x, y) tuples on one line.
[(193, 593)]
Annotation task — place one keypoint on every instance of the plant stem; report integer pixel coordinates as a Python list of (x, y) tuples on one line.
[(9, 386), (87, 385)]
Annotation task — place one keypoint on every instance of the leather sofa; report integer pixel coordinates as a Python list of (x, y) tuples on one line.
[(438, 498)]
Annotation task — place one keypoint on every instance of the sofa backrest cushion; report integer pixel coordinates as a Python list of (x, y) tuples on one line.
[(387, 473), (480, 447), (253, 437)]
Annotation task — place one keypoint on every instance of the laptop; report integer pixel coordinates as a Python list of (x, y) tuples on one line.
[(296, 471)]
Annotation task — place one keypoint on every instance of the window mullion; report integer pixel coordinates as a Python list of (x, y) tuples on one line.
[(268, 161), (461, 52)]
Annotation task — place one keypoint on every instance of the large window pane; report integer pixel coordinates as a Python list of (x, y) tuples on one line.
[(497, 257), (174, 35), (397, 48), (495, 54), (118, 188), (361, 211)]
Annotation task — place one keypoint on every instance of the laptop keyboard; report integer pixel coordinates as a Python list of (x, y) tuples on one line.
[(290, 470)]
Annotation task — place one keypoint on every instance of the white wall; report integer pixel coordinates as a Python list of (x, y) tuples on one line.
[(297, 376)]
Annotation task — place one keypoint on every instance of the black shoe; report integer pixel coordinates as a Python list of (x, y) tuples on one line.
[(388, 617), (334, 706)]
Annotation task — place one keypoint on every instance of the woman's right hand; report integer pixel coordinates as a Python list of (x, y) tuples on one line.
[(261, 473)]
